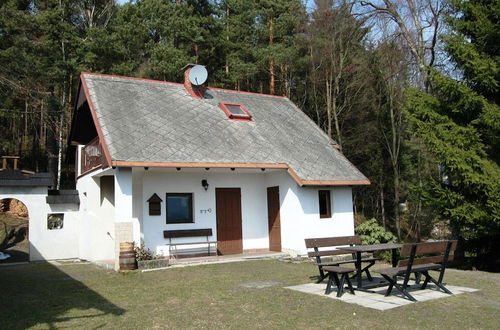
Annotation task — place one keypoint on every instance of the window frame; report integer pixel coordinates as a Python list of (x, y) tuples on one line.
[(328, 213), (174, 221), (246, 117)]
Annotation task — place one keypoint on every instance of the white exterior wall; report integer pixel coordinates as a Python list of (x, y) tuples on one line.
[(299, 208), (97, 229), (47, 244), (299, 211), (253, 206)]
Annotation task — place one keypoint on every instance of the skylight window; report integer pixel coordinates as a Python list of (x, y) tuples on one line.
[(235, 111)]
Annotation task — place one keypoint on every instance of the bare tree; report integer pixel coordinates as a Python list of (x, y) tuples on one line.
[(417, 22), (335, 38), (391, 69), (93, 13)]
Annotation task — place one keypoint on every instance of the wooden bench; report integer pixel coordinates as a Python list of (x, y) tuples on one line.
[(209, 248), (327, 246), (333, 272), (422, 258)]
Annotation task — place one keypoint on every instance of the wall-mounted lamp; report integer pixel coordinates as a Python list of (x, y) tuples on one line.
[(204, 183)]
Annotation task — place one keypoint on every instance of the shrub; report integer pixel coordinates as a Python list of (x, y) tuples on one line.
[(373, 233), (142, 253)]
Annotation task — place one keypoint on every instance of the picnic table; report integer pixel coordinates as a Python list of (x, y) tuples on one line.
[(358, 249)]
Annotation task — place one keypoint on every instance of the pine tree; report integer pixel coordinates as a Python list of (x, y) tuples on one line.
[(459, 123)]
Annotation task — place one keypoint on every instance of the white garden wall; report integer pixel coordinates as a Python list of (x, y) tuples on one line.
[(46, 244)]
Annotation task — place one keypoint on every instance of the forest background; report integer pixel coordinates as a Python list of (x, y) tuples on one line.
[(408, 89)]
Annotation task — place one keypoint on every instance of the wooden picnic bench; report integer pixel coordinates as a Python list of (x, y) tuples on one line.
[(208, 248), (333, 272), (422, 258), (326, 247)]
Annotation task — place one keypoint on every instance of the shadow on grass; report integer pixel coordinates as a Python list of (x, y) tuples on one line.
[(40, 294)]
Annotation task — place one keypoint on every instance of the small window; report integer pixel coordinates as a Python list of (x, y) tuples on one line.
[(325, 206), (235, 111), (179, 207), (154, 205), (55, 221)]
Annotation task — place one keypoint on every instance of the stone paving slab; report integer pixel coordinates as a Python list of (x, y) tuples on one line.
[(376, 298)]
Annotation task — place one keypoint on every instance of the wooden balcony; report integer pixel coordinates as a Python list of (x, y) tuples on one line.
[(92, 156)]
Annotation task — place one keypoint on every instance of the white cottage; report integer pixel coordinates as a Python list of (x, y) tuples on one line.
[(159, 162)]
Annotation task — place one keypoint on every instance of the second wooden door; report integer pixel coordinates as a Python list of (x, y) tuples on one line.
[(273, 216)]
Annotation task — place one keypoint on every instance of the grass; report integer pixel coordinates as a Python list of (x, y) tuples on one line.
[(40, 295)]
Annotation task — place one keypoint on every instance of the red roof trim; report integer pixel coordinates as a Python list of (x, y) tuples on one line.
[(177, 84), (131, 78), (246, 117), (96, 121)]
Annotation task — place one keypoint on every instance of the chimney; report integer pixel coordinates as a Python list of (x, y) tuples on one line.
[(199, 74), (4, 161)]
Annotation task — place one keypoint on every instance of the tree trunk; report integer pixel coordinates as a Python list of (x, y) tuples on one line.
[(396, 201), (271, 61), (394, 155), (328, 88), (226, 68), (382, 206), (336, 118), (52, 138)]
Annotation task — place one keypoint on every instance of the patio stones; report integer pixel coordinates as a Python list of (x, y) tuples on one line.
[(376, 299)]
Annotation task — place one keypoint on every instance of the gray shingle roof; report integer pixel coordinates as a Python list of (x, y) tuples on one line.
[(18, 178), (149, 121)]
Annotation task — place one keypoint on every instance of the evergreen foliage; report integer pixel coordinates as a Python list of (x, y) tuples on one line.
[(459, 123)]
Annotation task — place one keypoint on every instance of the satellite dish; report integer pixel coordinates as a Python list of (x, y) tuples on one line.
[(198, 75)]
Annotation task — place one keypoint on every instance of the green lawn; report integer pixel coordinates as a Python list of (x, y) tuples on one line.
[(40, 295)]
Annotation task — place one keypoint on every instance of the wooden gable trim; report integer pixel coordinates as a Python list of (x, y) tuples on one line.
[(102, 142)]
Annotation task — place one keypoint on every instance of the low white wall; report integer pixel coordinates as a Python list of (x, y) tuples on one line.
[(46, 244)]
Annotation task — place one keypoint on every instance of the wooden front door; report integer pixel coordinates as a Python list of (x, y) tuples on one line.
[(228, 210), (273, 216)]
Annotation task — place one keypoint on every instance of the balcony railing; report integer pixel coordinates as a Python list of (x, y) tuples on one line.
[(91, 156)]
